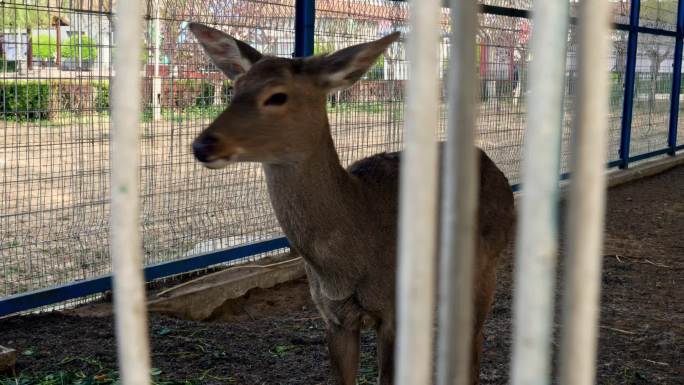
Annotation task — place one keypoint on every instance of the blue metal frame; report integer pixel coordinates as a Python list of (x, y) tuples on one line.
[(305, 16), (27, 301), (630, 73), (647, 155), (676, 81)]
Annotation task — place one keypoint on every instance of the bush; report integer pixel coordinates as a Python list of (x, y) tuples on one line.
[(24, 100), (88, 48), (34, 100), (206, 95), (44, 46), (8, 65), (102, 96)]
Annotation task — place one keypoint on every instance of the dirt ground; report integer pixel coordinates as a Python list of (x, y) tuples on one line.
[(276, 337)]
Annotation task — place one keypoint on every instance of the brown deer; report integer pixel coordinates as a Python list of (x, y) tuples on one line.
[(342, 222)]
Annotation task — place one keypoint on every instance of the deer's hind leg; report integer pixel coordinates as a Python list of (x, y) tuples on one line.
[(484, 297), (386, 335)]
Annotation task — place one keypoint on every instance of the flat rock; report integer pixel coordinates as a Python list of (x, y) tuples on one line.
[(202, 298)]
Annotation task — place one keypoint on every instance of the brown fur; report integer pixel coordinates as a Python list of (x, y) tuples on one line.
[(342, 222)]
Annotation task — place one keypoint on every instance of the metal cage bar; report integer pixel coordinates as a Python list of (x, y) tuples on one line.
[(305, 14), (418, 201), (536, 243), (630, 74), (460, 183), (130, 309), (676, 81), (35, 299), (586, 209)]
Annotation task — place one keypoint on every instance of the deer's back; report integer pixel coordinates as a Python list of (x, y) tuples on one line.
[(380, 175)]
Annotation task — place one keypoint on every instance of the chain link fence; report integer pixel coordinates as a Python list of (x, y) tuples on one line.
[(55, 68)]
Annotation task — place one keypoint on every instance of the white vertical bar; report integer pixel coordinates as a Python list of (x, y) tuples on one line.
[(587, 199), (126, 248), (536, 244), (418, 200), (459, 203)]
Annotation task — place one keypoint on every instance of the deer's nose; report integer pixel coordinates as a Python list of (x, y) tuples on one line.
[(204, 146)]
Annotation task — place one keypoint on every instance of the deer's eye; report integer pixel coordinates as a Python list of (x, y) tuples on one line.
[(277, 99)]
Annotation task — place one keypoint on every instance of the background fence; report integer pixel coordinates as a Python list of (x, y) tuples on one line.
[(55, 63)]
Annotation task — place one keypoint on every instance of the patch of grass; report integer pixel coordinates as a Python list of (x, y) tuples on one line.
[(633, 375), (281, 350), (368, 370), (367, 107), (93, 373), (191, 113)]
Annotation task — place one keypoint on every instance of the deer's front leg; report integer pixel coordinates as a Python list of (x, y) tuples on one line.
[(343, 344), (386, 337)]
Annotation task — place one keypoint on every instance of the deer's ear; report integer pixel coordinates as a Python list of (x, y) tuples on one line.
[(343, 68), (230, 55)]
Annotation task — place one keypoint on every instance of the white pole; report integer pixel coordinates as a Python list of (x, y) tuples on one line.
[(418, 200), (587, 199), (126, 248), (536, 244), (459, 203)]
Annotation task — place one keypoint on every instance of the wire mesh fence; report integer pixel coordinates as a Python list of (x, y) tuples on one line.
[(56, 60)]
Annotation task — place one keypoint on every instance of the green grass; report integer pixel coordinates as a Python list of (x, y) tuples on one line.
[(94, 373), (190, 113), (102, 377), (367, 107)]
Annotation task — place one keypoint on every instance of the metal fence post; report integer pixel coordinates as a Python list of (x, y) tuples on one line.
[(537, 239), (630, 69), (305, 15), (676, 81), (460, 185), (586, 206), (126, 245), (418, 200)]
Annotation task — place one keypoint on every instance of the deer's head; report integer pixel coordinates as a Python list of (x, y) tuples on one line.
[(278, 112)]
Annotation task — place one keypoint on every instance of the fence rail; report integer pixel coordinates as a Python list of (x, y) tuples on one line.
[(55, 125)]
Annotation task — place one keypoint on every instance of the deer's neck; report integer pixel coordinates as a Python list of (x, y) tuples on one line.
[(312, 199)]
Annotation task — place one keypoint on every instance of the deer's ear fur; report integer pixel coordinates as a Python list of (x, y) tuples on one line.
[(230, 55), (343, 68)]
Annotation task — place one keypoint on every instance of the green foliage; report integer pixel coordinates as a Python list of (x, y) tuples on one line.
[(44, 46), (19, 17), (323, 47), (616, 88), (102, 96), (144, 55), (8, 65), (87, 48), (206, 95), (377, 71), (657, 83), (36, 100), (24, 100), (94, 373), (44, 100)]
